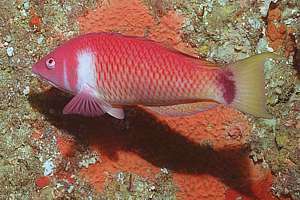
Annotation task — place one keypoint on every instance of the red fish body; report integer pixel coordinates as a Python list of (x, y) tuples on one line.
[(137, 71), (106, 71)]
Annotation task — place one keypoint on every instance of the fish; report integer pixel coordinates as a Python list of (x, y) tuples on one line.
[(107, 72)]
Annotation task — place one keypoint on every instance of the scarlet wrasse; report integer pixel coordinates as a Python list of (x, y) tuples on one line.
[(106, 71)]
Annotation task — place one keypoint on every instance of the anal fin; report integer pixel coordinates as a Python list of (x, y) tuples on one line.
[(116, 112), (180, 110)]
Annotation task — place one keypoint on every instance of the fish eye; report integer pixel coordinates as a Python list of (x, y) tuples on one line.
[(50, 63)]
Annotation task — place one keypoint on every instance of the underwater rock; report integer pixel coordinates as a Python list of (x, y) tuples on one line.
[(10, 51), (206, 156), (7, 38), (279, 34), (66, 146), (264, 8), (42, 181), (138, 23), (282, 139), (297, 59), (124, 185), (26, 5), (88, 161)]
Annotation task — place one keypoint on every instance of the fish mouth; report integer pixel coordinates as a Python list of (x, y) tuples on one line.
[(39, 76), (36, 74), (34, 70)]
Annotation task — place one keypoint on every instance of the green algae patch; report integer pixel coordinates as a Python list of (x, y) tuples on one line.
[(281, 139), (220, 15)]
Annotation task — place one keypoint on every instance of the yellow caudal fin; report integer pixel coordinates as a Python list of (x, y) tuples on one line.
[(250, 84)]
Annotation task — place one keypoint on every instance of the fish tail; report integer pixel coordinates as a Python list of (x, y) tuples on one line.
[(249, 84)]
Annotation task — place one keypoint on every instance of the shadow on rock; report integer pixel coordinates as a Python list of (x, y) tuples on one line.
[(152, 141)]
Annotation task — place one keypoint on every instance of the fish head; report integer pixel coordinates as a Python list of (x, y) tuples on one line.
[(56, 68)]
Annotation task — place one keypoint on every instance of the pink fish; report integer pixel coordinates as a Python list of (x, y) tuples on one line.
[(107, 71)]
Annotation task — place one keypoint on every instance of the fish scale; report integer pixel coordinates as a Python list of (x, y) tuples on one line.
[(148, 63)]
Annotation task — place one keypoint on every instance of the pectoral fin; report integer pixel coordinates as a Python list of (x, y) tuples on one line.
[(181, 109), (88, 103)]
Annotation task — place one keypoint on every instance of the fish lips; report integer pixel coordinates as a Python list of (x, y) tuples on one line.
[(36, 73)]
